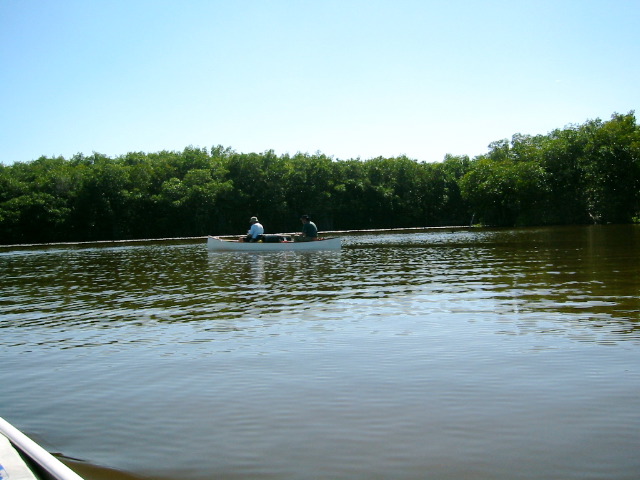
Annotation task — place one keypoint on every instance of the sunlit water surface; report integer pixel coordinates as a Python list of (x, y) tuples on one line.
[(480, 354)]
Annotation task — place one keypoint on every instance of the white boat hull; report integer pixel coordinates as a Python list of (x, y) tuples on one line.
[(217, 244)]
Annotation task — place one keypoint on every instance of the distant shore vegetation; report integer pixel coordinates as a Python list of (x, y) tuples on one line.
[(579, 174)]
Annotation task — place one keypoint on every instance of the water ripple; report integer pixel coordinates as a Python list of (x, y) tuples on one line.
[(408, 355)]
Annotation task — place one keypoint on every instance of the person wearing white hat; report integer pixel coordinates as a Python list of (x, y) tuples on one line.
[(255, 232)]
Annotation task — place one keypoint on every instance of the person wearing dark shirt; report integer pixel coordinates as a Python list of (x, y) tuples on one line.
[(309, 229)]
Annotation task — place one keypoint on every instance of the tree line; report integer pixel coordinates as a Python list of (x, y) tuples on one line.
[(587, 173)]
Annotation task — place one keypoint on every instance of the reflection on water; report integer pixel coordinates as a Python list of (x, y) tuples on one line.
[(435, 354)]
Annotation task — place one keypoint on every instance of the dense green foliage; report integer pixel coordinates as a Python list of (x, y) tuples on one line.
[(580, 174)]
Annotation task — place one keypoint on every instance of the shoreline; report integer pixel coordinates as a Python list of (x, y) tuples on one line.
[(144, 241)]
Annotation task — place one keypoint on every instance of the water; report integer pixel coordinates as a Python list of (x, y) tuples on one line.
[(482, 354)]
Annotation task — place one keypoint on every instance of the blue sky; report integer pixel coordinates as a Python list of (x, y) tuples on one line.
[(348, 78)]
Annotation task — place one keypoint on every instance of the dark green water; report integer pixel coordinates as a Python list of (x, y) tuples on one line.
[(482, 354)]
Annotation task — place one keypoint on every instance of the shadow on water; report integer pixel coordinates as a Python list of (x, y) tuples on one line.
[(95, 472)]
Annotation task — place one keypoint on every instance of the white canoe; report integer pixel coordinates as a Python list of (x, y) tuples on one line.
[(217, 244), (14, 445)]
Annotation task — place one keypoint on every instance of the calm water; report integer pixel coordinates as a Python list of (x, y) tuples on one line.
[(484, 354)]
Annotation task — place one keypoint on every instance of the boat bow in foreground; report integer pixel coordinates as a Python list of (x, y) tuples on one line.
[(14, 445)]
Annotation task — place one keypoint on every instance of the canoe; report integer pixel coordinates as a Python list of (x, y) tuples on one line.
[(23, 459), (218, 244)]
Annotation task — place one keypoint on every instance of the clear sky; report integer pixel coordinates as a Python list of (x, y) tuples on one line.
[(348, 78)]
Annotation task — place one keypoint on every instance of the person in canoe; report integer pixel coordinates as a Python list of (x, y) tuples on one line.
[(255, 232), (309, 230)]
